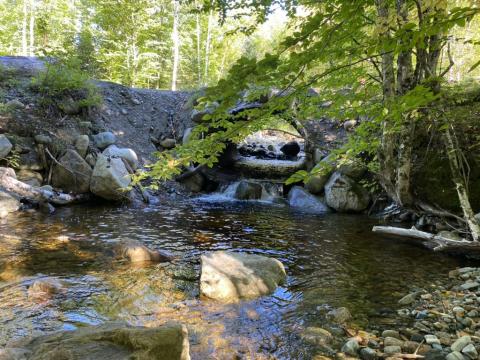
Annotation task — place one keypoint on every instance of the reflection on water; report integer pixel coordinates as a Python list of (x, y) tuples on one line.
[(331, 261)]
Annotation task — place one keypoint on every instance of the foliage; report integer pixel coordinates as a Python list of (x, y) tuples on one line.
[(64, 83)]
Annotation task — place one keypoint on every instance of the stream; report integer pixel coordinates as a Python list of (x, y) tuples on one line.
[(331, 260)]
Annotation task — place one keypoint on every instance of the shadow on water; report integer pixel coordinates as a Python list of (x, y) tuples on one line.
[(331, 261)]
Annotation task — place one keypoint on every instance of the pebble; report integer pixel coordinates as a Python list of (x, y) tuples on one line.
[(470, 351), (390, 350), (408, 299), (391, 333), (390, 341), (455, 356), (351, 347), (432, 339), (461, 343), (368, 354)]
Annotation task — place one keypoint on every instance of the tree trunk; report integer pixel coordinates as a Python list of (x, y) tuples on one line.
[(176, 44), (387, 153), (455, 161), (24, 29), (207, 47), (32, 28), (199, 54), (37, 195)]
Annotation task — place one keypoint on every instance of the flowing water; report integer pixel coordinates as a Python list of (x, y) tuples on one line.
[(331, 261)]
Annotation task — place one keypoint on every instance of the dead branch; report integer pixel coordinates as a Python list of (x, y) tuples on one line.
[(431, 241)]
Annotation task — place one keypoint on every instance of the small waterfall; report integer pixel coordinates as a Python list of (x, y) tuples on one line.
[(269, 192)]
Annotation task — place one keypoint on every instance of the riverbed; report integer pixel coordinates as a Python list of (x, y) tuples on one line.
[(332, 260)]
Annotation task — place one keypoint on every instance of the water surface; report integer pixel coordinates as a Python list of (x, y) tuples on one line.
[(331, 261)]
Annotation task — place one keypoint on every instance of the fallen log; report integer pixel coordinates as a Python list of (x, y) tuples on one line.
[(431, 241), (38, 195)]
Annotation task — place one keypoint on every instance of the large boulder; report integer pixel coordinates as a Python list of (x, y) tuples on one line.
[(124, 153), (104, 139), (230, 276), (320, 175), (302, 200), (72, 173), (29, 177), (345, 195), (81, 145), (110, 179), (109, 341), (248, 190), (194, 182), (8, 204), (5, 146), (354, 169)]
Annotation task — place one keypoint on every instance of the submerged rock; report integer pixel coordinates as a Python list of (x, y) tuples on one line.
[(340, 315), (109, 341), (248, 190), (110, 179), (301, 199), (136, 252), (8, 204), (345, 195), (72, 174), (229, 276), (44, 288)]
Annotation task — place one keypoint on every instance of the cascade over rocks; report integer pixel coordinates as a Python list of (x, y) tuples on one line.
[(302, 200), (345, 195), (72, 173), (248, 190), (230, 276), (110, 179), (112, 340)]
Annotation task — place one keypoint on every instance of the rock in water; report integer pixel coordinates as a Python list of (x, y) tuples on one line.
[(340, 315), (72, 174), (124, 153), (8, 204), (345, 195), (229, 276), (136, 252), (195, 182), (248, 190), (301, 199), (110, 179), (5, 146), (111, 341), (45, 288), (104, 139), (290, 149)]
